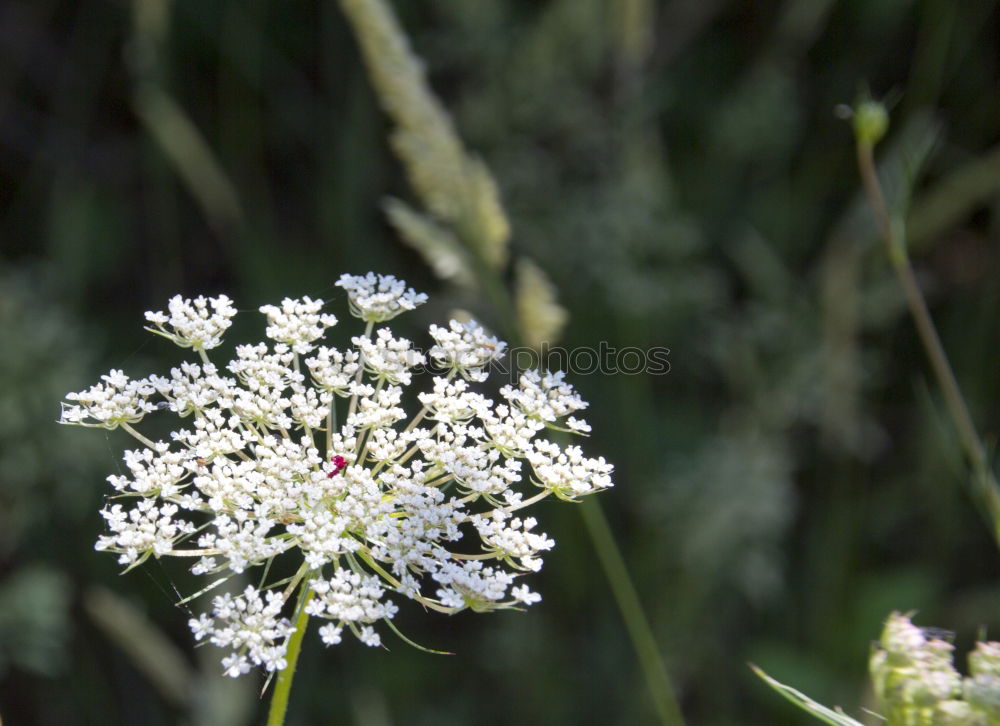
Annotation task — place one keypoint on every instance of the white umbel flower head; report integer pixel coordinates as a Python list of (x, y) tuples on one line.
[(197, 324), (367, 502), (466, 349), (297, 323), (547, 397), (117, 401), (388, 359), (378, 298)]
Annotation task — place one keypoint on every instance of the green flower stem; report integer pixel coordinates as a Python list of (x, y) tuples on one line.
[(985, 483), (361, 369), (283, 687), (639, 630), (138, 436), (331, 423)]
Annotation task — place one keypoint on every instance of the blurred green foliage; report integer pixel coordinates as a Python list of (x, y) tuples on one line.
[(677, 171)]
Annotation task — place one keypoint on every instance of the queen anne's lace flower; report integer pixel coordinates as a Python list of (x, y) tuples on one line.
[(466, 349), (198, 323), (251, 626), (546, 397), (117, 401), (378, 298), (388, 359), (568, 473), (367, 501), (333, 370), (297, 323)]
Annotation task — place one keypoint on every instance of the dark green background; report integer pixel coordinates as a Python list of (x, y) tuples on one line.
[(786, 485)]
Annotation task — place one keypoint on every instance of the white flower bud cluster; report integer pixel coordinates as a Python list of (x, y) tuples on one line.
[(466, 349), (388, 359), (250, 626), (297, 323), (568, 473), (119, 400), (367, 502), (349, 598), (545, 396), (333, 370), (379, 298), (197, 324)]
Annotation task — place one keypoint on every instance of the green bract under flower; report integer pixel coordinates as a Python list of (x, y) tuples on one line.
[(302, 451)]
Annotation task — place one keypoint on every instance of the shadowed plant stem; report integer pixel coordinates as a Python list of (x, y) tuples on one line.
[(283, 686), (639, 630), (894, 235)]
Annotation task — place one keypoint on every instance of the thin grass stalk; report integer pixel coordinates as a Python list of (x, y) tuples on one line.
[(640, 632), (985, 485)]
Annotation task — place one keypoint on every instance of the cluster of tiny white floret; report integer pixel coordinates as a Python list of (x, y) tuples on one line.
[(466, 349), (378, 298), (250, 626), (297, 323), (117, 401), (198, 324), (302, 451)]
